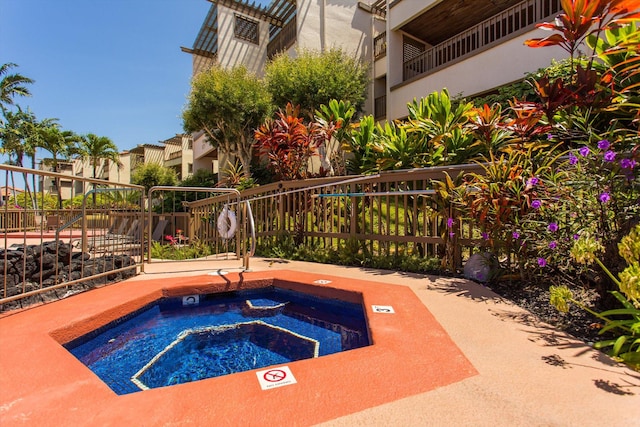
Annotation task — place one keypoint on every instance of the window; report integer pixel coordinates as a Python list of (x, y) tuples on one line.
[(247, 29), (189, 168)]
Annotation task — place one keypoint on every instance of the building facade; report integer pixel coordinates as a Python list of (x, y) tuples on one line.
[(414, 47), (175, 153)]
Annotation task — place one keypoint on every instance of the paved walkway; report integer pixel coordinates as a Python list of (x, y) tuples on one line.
[(528, 373)]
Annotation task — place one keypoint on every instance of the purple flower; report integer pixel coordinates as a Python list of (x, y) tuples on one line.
[(449, 222), (553, 244), (584, 151), (484, 235), (627, 163), (515, 235), (542, 262), (553, 227), (604, 197), (451, 234), (549, 136), (576, 236), (572, 159), (604, 144), (610, 156), (533, 181), (536, 204)]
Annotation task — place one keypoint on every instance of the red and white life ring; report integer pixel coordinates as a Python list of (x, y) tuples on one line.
[(227, 223)]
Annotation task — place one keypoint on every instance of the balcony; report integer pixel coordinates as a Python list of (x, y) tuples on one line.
[(497, 29), (380, 107), (380, 46), (175, 155), (283, 40)]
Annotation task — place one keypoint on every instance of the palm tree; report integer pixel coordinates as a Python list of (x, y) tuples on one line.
[(14, 138), (96, 148), (12, 85), (58, 143)]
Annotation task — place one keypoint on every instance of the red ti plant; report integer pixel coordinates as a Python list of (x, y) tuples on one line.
[(527, 125), (581, 18), (289, 143)]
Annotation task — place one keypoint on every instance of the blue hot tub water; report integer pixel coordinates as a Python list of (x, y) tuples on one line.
[(166, 343)]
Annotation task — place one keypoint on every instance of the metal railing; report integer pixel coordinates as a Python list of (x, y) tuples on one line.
[(283, 40), (380, 46), (58, 242), (497, 29), (381, 212), (200, 219), (380, 107)]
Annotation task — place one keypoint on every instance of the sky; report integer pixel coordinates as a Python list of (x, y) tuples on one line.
[(109, 67)]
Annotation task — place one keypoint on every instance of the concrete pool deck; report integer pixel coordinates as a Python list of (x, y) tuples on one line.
[(486, 363)]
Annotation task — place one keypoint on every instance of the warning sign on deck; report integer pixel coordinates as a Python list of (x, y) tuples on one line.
[(382, 309), (275, 377)]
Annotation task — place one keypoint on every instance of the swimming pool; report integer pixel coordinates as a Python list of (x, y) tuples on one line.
[(182, 339)]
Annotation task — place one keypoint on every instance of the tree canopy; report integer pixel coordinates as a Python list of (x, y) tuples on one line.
[(315, 78), (96, 148), (152, 174), (12, 85), (228, 104)]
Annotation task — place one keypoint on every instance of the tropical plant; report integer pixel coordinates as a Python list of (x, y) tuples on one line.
[(12, 85), (624, 322), (228, 105), (583, 18), (152, 174), (96, 148), (233, 177), (334, 118), (358, 146), (60, 143), (311, 79), (41, 201), (289, 143), (618, 49), (396, 147)]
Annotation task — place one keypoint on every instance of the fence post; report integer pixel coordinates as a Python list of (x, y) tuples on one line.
[(353, 217)]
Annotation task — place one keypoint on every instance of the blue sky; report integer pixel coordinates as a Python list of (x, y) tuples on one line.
[(109, 67)]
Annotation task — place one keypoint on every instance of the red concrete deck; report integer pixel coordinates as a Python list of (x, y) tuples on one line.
[(453, 354), (46, 385)]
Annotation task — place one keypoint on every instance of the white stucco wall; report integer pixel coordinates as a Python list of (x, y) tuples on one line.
[(324, 24), (405, 10), (499, 65), (233, 51)]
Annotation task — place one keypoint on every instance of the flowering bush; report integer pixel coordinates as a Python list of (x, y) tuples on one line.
[(624, 322)]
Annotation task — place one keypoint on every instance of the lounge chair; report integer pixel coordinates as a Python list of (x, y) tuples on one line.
[(111, 241), (158, 231)]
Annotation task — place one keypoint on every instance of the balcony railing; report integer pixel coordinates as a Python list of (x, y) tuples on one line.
[(380, 46), (494, 30), (380, 107), (175, 155), (283, 40)]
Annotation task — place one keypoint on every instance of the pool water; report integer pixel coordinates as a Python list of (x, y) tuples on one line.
[(178, 340)]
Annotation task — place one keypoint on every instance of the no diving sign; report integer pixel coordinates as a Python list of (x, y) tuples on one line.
[(275, 377)]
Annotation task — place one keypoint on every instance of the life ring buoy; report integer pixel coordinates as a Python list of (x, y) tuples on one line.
[(227, 223)]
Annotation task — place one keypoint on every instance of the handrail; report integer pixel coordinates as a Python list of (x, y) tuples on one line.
[(496, 29), (177, 188), (252, 251), (84, 201), (68, 224)]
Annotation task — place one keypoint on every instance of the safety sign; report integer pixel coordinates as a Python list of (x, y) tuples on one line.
[(382, 309), (275, 377), (191, 300)]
